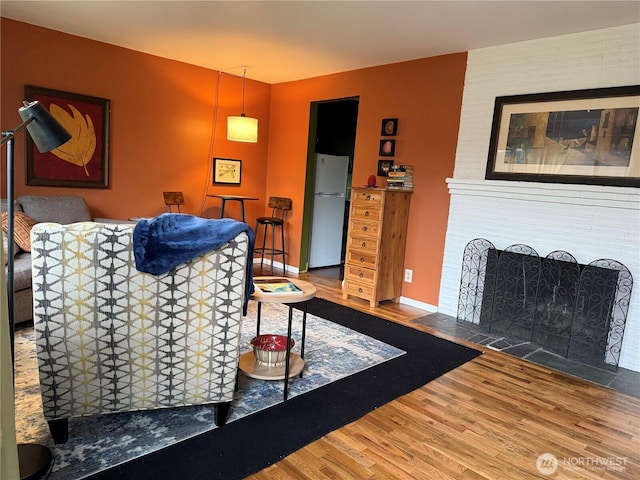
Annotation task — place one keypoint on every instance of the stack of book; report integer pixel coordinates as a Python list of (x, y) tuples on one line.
[(400, 177)]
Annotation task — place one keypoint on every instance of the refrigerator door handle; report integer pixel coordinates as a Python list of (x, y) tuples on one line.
[(330, 194)]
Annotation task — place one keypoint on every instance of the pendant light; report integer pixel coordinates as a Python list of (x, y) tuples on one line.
[(242, 128)]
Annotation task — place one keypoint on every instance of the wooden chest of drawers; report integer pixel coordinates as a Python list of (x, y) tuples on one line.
[(376, 244)]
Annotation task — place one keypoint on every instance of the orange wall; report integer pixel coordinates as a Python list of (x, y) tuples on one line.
[(162, 117), (426, 97)]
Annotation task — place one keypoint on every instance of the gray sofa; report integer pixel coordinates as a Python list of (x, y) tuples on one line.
[(64, 209)]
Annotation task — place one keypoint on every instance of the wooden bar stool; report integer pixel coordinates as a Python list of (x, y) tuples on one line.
[(279, 207), (173, 199)]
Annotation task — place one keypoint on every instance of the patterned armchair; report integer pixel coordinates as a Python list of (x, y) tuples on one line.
[(113, 339)]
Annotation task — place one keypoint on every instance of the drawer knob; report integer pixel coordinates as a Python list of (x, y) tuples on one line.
[(368, 197), (362, 259), (360, 290), (364, 229), (361, 275), (366, 214), (364, 244)]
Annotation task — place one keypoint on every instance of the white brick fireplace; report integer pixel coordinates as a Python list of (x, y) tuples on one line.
[(590, 222)]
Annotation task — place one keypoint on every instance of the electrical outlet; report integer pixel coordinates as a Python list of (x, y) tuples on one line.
[(408, 275)]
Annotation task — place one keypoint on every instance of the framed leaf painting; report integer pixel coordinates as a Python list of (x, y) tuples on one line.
[(84, 160)]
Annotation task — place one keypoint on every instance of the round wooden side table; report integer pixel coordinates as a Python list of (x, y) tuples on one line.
[(294, 363)]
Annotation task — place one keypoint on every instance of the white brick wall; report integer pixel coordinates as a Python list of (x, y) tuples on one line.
[(590, 222)]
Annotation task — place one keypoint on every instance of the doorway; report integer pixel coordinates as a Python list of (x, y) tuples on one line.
[(332, 135)]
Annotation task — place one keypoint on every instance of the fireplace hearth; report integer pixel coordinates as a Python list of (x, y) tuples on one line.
[(573, 310)]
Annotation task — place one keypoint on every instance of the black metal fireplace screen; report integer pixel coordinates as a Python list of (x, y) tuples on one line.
[(574, 310)]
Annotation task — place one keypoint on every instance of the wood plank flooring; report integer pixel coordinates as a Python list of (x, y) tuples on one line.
[(491, 418)]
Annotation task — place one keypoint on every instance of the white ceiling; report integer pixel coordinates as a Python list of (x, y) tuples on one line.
[(292, 40)]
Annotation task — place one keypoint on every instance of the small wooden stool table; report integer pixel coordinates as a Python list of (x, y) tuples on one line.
[(293, 363)]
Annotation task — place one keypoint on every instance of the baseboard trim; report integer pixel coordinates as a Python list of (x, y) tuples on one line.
[(417, 304)]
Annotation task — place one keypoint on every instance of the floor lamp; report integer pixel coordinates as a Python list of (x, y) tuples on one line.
[(47, 134)]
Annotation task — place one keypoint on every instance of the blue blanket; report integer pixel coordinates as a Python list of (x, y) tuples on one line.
[(164, 242)]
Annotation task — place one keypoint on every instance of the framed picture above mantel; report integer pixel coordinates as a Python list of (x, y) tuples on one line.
[(581, 136), (84, 160)]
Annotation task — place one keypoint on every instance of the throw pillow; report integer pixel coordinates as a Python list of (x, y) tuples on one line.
[(22, 225)]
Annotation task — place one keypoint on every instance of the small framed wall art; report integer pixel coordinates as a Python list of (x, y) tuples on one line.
[(227, 170), (383, 167), (389, 127), (387, 148)]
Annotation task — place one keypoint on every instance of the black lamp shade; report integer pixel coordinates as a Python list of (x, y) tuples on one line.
[(45, 130)]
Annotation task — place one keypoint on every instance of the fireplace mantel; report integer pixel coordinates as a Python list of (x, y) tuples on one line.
[(585, 195)]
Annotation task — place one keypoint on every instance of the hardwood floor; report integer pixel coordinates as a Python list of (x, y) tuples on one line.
[(491, 418)]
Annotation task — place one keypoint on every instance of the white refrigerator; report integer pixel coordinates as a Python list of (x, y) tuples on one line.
[(329, 196)]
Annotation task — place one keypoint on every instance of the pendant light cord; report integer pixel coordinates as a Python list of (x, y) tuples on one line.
[(211, 146), (244, 76)]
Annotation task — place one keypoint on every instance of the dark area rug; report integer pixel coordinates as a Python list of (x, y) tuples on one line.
[(252, 443)]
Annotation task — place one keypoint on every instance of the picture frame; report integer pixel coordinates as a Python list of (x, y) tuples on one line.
[(227, 171), (383, 167), (389, 127), (387, 148), (83, 161), (580, 137)]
